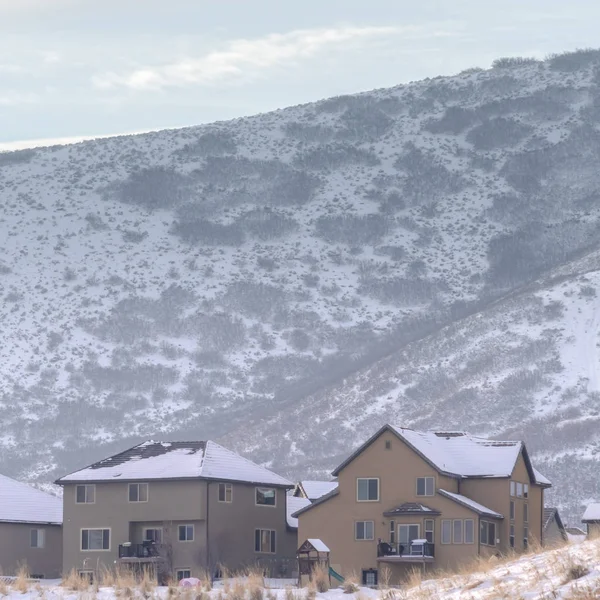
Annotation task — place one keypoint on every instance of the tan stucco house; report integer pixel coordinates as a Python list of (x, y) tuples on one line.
[(591, 518), (181, 508), (30, 530), (313, 490), (429, 499)]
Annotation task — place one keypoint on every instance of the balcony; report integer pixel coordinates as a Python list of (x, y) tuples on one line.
[(144, 552), (415, 551)]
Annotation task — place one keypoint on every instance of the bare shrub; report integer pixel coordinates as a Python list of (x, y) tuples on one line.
[(320, 576), (350, 585), (75, 581)]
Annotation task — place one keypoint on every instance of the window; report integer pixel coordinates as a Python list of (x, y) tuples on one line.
[(408, 533), (138, 492), (525, 490), (525, 537), (186, 533), (457, 531), (425, 486), (525, 513), (37, 538), (512, 509), (511, 537), (388, 444), (392, 532), (153, 535), (264, 541), (446, 531), (469, 531), (225, 492), (95, 539), (429, 531), (183, 574), (519, 490), (85, 494), (364, 530), (265, 496), (369, 577), (512, 489), (487, 533), (367, 490)]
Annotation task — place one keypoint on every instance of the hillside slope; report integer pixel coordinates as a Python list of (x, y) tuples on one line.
[(181, 283)]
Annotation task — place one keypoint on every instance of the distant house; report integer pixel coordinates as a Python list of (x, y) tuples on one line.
[(294, 504), (179, 507), (575, 534), (434, 500), (313, 490), (553, 530), (591, 518), (30, 530)]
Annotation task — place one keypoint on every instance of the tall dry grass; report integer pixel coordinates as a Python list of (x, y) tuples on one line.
[(320, 575), (22, 581)]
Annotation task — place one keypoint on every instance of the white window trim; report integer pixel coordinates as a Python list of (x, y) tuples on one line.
[(153, 529), (425, 495), (138, 501), (230, 486), (43, 531), (462, 531), (85, 485), (186, 525), (526, 491), (180, 569), (365, 539), (525, 513), (432, 530), (369, 479), (465, 531), (519, 495), (96, 529), (261, 529), (513, 489), (417, 525), (264, 488), (495, 533), (512, 508), (442, 532)]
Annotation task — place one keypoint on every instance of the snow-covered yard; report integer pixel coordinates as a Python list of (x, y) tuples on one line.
[(569, 572)]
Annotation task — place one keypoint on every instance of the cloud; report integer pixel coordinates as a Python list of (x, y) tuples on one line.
[(13, 98), (242, 60)]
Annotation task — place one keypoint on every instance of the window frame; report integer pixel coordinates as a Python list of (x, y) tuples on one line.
[(513, 510), (425, 479), (409, 525), (519, 490), (525, 536), (138, 485), (525, 512), (259, 538), (487, 525), (460, 529), (40, 533), (102, 529), (85, 486), (364, 524), (228, 487), (444, 523), (257, 503), (368, 479), (393, 532), (388, 444), (366, 573), (186, 540), (511, 536), (182, 570), (146, 529), (513, 489), (465, 540), (426, 530), (526, 490)]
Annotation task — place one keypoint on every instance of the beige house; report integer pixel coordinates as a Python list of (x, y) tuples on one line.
[(181, 508), (591, 518), (553, 532), (30, 530), (429, 499)]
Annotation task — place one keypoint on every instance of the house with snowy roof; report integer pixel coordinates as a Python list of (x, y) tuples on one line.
[(313, 490), (553, 530), (30, 530), (433, 500), (179, 508), (591, 518)]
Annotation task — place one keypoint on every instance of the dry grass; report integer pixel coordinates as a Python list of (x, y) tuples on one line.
[(256, 586), (385, 577), (311, 591), (21, 583), (350, 585), (237, 591), (320, 576), (290, 594), (574, 571), (3, 588)]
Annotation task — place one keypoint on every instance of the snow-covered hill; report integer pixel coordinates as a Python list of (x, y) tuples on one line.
[(290, 280)]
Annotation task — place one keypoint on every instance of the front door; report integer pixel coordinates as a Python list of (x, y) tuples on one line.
[(406, 535)]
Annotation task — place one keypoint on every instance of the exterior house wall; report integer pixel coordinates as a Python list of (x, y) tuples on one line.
[(16, 551), (552, 535), (593, 529)]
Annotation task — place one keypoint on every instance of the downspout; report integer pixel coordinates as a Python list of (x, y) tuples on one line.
[(542, 517), (209, 572)]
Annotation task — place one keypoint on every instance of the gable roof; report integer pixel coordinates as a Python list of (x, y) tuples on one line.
[(21, 503), (332, 494), (411, 508), (551, 514), (177, 460), (294, 504), (315, 489), (459, 454), (592, 513), (480, 509)]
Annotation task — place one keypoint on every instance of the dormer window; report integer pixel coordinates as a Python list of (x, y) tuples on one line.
[(425, 486), (367, 489)]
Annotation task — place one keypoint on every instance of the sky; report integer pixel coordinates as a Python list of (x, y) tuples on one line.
[(71, 69)]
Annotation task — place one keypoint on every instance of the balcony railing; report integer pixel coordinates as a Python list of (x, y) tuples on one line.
[(143, 550), (414, 549)]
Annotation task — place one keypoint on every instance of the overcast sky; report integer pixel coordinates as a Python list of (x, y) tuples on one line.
[(73, 68)]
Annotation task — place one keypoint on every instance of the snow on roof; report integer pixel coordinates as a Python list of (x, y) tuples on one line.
[(592, 512), (318, 545), (177, 460), (22, 503), (316, 489), (293, 504), (478, 508)]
